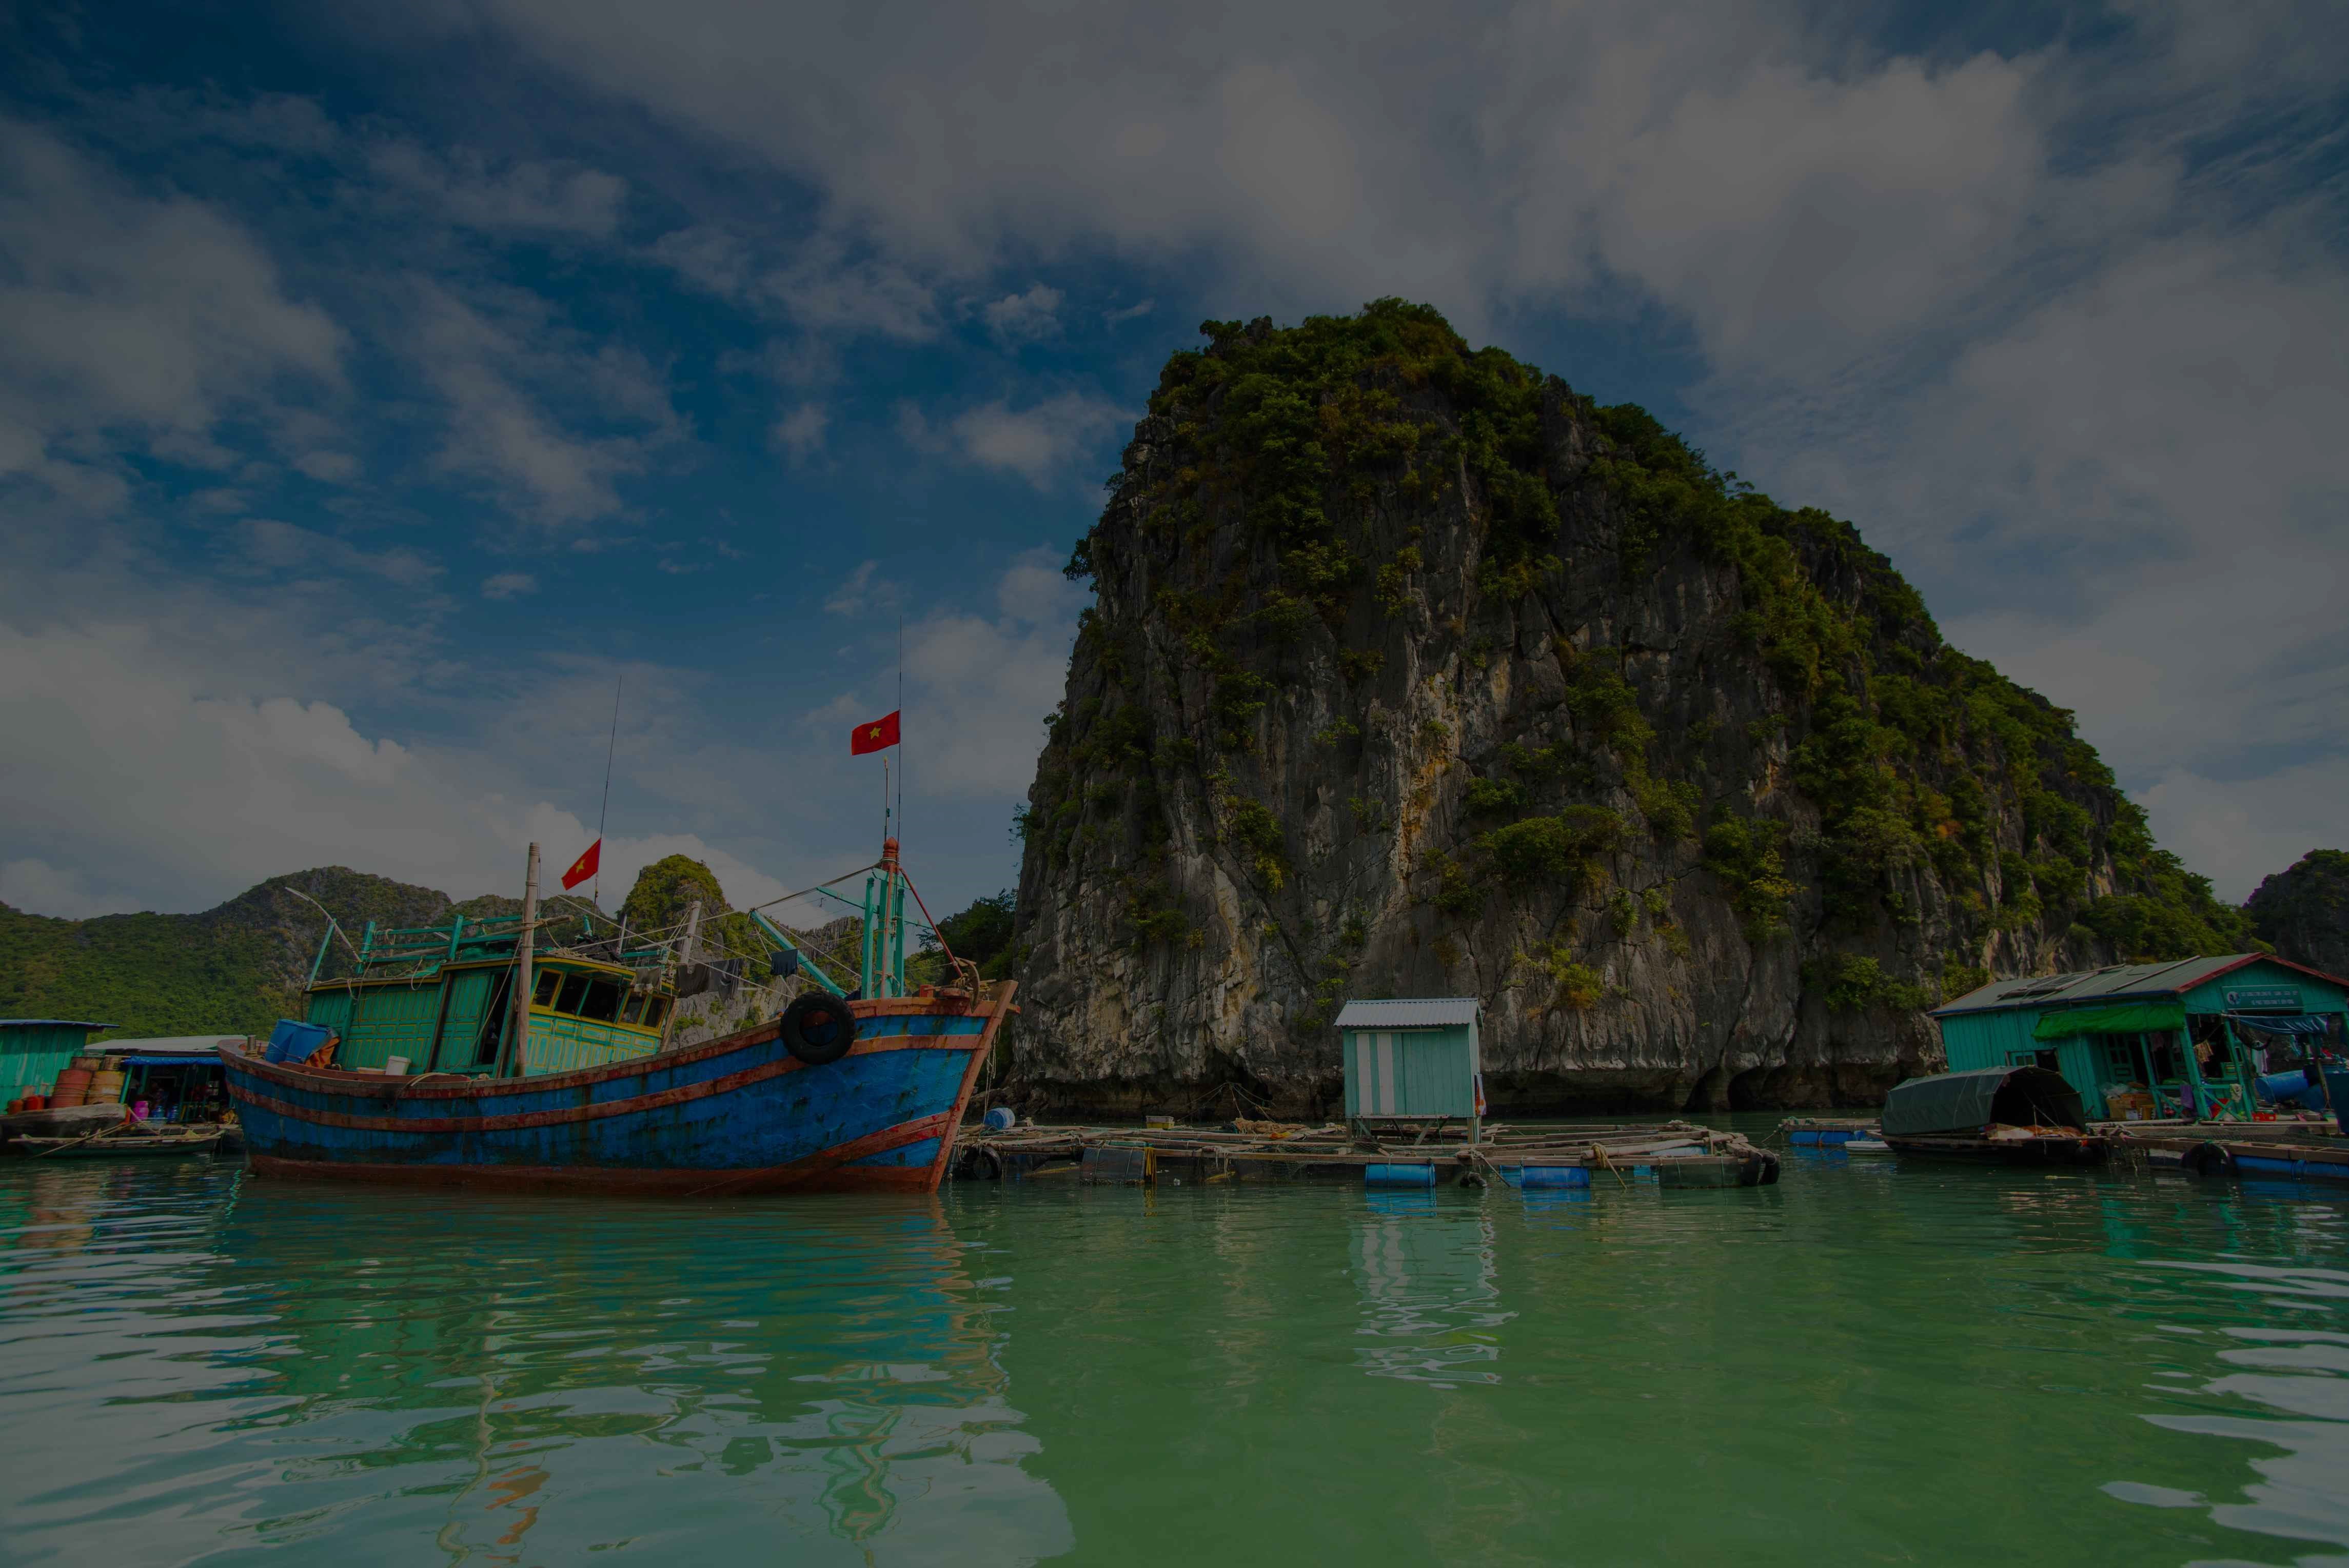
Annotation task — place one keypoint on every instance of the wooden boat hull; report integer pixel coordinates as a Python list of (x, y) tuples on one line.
[(36, 1147), (2073, 1151), (740, 1114)]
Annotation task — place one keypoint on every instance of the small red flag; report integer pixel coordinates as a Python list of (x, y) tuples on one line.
[(878, 736), (584, 866)]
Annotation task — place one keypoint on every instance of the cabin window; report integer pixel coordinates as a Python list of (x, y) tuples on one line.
[(574, 992), (602, 1003), (631, 1011), (2120, 1060), (550, 981), (656, 1011)]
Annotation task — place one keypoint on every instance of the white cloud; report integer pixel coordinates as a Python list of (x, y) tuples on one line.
[(131, 321), (1038, 443), (799, 431), (519, 390), (2237, 830), (509, 585), (1020, 317), (462, 187), (708, 257), (329, 468), (864, 590), (280, 547), (982, 685)]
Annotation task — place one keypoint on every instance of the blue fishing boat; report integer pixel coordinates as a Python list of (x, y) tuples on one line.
[(441, 1060)]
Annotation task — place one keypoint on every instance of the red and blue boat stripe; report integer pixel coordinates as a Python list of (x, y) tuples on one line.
[(736, 1115)]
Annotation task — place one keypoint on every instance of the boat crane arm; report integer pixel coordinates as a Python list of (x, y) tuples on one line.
[(807, 964)]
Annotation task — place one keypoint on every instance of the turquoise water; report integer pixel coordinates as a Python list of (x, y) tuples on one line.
[(1866, 1364)]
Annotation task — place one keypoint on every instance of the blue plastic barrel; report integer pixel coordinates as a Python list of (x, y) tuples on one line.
[(1001, 1118), (1399, 1175), (2336, 1087), (292, 1042), (1535, 1176), (2288, 1089)]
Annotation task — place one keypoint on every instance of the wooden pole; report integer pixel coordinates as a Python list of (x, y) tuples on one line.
[(522, 966)]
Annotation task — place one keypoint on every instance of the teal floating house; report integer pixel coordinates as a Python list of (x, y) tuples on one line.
[(33, 1051), (1413, 1060), (2142, 1040)]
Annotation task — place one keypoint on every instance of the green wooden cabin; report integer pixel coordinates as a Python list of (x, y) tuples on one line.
[(1412, 1059), (2186, 1031), (33, 1051), (442, 998)]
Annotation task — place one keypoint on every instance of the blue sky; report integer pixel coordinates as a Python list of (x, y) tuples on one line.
[(375, 396)]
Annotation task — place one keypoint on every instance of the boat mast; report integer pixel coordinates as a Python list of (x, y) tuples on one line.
[(522, 965)]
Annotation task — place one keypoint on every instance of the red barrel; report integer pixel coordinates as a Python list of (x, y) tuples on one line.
[(73, 1087)]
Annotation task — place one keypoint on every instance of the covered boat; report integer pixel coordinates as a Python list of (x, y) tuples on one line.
[(2016, 1115), (843, 1090)]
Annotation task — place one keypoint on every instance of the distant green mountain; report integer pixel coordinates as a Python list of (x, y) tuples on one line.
[(236, 968)]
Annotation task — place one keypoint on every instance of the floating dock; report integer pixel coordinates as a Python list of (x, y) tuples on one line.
[(1672, 1154), (2285, 1151)]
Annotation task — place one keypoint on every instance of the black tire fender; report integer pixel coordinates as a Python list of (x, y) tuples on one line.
[(2209, 1159), (817, 1029)]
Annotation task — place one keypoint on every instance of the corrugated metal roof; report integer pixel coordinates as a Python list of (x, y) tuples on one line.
[(2096, 985), (53, 1023), (1409, 1013), (172, 1044)]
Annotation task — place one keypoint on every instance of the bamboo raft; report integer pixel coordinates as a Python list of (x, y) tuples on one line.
[(1671, 1153)]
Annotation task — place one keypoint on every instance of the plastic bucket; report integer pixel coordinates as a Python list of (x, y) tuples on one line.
[(36, 1102)]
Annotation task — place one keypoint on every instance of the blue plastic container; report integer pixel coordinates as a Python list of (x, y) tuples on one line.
[(1001, 1118), (293, 1042), (1539, 1176), (1399, 1175), (2336, 1085)]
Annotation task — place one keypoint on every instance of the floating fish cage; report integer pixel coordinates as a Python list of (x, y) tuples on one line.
[(1675, 1154), (1825, 1132)]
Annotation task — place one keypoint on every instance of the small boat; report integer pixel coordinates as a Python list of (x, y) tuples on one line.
[(843, 1090), (2010, 1115), (117, 1143)]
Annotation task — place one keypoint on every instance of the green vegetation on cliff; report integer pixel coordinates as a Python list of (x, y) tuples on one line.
[(1287, 480), (2304, 911)]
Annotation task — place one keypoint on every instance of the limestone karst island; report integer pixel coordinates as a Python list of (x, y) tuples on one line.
[(715, 850)]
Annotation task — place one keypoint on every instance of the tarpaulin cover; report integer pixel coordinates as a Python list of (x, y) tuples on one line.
[(2301, 1023), (2130, 1018), (144, 1061), (1966, 1102)]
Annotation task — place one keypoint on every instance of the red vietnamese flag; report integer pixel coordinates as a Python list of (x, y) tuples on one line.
[(878, 736), (584, 866)]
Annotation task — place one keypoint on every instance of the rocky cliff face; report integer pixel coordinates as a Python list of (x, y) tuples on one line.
[(2302, 912), (1413, 673)]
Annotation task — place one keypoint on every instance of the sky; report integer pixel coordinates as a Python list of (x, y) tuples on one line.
[(386, 391)]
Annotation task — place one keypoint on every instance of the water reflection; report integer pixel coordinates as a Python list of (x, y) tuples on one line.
[(2297, 1374), (506, 1377), (1428, 1289)]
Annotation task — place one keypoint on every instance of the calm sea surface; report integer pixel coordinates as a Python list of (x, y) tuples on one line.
[(1868, 1362)]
